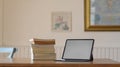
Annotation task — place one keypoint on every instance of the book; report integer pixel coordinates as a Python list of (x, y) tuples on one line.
[(42, 46), (43, 49), (42, 41), (35, 59), (44, 56)]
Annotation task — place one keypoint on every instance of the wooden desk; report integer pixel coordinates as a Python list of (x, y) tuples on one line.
[(29, 63)]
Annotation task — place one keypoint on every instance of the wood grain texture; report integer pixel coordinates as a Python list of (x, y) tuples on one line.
[(30, 63)]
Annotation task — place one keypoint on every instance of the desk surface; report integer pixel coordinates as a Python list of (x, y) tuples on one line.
[(30, 63)]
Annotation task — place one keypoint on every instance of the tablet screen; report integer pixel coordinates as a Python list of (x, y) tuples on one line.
[(78, 49)]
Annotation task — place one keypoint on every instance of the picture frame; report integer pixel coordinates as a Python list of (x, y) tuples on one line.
[(101, 15), (62, 21)]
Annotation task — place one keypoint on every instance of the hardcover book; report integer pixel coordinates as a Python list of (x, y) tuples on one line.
[(42, 41)]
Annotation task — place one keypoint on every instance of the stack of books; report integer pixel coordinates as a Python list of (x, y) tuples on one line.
[(43, 49)]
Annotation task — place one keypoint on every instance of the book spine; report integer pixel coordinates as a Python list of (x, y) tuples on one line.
[(43, 49), (45, 56), (42, 46), (37, 59), (44, 42)]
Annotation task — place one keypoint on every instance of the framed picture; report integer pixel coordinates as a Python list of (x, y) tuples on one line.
[(102, 15), (61, 21)]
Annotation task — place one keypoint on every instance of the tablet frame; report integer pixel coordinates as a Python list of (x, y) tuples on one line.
[(71, 59)]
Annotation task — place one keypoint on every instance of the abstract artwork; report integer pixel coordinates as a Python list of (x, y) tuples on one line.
[(105, 12)]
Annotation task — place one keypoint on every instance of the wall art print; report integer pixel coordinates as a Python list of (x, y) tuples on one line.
[(61, 21), (102, 15)]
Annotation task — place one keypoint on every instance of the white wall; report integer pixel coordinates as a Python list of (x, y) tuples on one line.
[(25, 19), (1, 9)]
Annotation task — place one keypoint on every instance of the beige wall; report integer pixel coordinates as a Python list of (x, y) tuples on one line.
[(26, 19), (1, 5)]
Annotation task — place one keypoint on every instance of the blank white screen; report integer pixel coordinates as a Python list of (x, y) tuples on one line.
[(78, 49)]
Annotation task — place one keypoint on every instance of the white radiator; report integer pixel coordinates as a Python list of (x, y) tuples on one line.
[(107, 52), (98, 52)]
